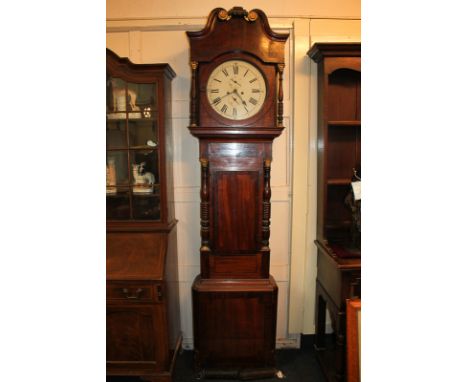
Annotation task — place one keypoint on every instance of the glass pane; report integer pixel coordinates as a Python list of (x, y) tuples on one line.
[(118, 205), (117, 95), (142, 97), (146, 206), (145, 174), (143, 133), (116, 167), (115, 134)]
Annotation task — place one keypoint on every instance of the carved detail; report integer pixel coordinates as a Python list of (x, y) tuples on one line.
[(237, 12), (204, 208), (266, 205), (280, 95), (252, 16), (223, 15), (193, 95)]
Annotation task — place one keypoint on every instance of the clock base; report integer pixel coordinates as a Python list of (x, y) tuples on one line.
[(235, 327)]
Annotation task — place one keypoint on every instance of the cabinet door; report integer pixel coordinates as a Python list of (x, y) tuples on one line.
[(132, 140), (135, 337)]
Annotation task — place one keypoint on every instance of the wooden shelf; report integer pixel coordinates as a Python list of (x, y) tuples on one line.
[(344, 123), (339, 182)]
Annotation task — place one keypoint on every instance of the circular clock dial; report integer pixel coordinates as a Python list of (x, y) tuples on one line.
[(236, 90)]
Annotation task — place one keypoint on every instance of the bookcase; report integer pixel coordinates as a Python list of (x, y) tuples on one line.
[(338, 208)]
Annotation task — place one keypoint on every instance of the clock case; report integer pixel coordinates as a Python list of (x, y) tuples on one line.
[(235, 297)]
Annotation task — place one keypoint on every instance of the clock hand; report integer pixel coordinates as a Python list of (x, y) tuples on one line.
[(220, 98), (235, 99), (240, 97)]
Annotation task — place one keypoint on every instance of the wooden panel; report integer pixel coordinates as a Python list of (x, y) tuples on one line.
[(225, 337), (236, 266), (236, 196), (136, 339), (237, 326), (343, 151), (344, 95), (136, 255), (130, 334), (353, 340)]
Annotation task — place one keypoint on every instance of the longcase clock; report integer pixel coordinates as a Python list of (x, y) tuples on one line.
[(237, 65)]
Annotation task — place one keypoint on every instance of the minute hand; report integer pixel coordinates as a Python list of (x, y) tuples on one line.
[(220, 98)]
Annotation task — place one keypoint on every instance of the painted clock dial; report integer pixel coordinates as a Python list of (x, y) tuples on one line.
[(236, 90)]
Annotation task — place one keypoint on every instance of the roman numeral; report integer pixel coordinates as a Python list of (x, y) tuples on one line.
[(255, 79), (234, 113), (247, 110), (253, 101), (214, 91), (255, 90), (224, 108), (215, 79), (216, 100), (225, 72), (235, 69), (246, 72)]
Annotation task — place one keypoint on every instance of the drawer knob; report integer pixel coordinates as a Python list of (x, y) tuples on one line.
[(132, 296)]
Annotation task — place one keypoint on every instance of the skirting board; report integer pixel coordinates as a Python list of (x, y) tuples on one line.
[(293, 342)]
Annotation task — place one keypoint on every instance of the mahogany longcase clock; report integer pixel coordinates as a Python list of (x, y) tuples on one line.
[(237, 64)]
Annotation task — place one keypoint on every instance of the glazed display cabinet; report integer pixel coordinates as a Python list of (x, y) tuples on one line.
[(143, 319)]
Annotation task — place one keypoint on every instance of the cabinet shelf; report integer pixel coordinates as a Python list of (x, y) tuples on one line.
[(120, 194), (339, 182), (123, 148), (351, 123), (114, 117)]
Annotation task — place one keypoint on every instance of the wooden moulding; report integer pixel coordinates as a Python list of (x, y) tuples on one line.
[(220, 24)]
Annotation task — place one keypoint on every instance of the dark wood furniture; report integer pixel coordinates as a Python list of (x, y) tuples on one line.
[(143, 318), (353, 340), (339, 160), (237, 64)]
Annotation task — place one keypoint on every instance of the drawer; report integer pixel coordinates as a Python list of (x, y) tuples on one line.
[(133, 291)]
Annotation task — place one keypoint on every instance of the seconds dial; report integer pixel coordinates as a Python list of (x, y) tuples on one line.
[(236, 90)]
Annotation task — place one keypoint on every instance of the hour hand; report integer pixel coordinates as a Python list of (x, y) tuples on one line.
[(240, 97)]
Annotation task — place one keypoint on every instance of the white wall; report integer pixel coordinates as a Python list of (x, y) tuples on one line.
[(154, 31)]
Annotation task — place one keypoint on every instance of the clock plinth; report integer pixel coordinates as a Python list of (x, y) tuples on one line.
[(237, 63), (235, 325)]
